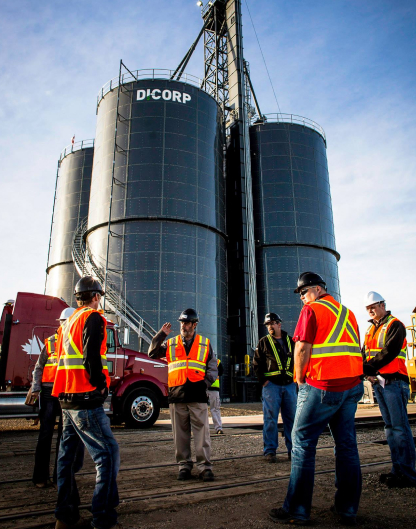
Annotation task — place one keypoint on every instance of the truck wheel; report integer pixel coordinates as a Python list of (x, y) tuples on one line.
[(141, 408)]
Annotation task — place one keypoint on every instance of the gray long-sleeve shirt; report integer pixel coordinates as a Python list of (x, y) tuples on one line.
[(190, 391), (38, 371)]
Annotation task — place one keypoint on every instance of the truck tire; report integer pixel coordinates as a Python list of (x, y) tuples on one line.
[(141, 408)]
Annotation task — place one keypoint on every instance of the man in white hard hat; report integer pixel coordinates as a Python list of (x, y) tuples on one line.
[(385, 352), (43, 378)]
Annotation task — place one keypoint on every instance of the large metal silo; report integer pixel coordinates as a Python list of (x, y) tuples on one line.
[(293, 221), (70, 207), (167, 243)]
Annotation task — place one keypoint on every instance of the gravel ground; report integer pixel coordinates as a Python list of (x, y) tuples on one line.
[(234, 508)]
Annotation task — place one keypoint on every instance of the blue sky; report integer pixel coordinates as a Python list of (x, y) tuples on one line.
[(348, 65)]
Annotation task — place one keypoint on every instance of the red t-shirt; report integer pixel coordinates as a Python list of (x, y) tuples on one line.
[(305, 332)]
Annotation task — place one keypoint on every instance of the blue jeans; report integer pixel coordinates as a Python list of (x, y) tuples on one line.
[(392, 400), (315, 410), (275, 398), (93, 428)]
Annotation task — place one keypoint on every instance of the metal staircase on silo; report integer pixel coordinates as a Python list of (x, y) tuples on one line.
[(84, 263)]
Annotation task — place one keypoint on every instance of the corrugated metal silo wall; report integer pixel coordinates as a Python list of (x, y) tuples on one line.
[(294, 228), (168, 205), (71, 206)]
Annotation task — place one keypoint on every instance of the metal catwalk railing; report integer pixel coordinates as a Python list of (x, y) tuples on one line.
[(84, 263)]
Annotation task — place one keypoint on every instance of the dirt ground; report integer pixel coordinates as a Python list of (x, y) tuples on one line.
[(228, 508)]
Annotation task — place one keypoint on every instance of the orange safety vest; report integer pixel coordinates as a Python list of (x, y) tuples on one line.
[(182, 367), (71, 376), (49, 370), (336, 350), (375, 341)]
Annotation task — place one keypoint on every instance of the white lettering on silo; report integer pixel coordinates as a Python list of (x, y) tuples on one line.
[(166, 95)]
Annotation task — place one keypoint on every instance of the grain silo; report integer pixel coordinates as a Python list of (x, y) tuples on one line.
[(72, 195), (293, 221)]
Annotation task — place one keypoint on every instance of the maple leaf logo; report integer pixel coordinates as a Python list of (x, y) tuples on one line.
[(33, 347)]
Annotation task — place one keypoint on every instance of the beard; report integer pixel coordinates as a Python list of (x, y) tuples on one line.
[(272, 332), (186, 335)]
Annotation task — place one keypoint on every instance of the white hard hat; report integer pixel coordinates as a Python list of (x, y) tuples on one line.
[(373, 297), (66, 313)]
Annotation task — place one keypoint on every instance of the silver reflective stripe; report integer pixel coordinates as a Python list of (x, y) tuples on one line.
[(352, 331), (331, 307), (173, 343), (382, 335), (196, 365), (202, 348), (176, 365), (65, 361), (335, 334), (335, 350)]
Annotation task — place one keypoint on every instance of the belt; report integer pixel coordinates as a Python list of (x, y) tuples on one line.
[(71, 397)]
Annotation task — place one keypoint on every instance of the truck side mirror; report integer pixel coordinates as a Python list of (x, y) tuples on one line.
[(126, 338)]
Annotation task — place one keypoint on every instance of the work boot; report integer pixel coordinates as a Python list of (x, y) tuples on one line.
[(399, 482), (281, 516), (220, 432), (384, 477), (270, 458), (184, 474), (207, 475), (62, 525), (349, 521)]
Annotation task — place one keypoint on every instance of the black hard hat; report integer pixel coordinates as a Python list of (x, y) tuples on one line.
[(272, 316), (189, 315), (88, 284), (309, 279)]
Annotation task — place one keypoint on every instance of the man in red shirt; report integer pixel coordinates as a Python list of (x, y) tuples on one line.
[(328, 370)]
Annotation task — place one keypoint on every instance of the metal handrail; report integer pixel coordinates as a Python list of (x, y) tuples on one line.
[(149, 73), (289, 118), (84, 262), (77, 146)]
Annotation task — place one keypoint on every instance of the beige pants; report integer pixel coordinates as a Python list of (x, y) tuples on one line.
[(185, 416)]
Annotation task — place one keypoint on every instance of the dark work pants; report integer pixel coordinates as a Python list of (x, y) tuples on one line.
[(49, 410)]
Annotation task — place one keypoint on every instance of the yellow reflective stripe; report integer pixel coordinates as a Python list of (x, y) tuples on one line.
[(176, 365), (172, 348), (342, 323), (51, 363), (197, 365), (339, 322), (333, 308), (341, 353), (202, 348), (382, 336), (272, 373), (276, 354)]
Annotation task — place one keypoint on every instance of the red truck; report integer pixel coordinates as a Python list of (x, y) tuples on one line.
[(138, 384)]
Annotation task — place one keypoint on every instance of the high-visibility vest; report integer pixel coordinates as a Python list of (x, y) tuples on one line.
[(336, 350), (280, 368), (216, 384), (374, 342), (71, 375), (182, 367), (49, 371)]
